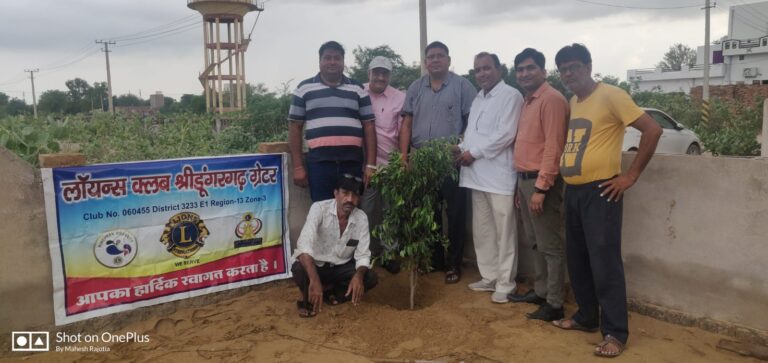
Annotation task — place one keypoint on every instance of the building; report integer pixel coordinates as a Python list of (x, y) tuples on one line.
[(741, 57)]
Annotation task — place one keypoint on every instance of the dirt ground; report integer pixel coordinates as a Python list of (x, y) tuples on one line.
[(451, 324)]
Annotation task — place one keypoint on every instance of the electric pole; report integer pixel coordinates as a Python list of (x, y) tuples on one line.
[(705, 86), (32, 78), (109, 76), (423, 34)]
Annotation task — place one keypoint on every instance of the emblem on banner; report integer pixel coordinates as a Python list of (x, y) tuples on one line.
[(184, 234), (246, 231), (115, 249)]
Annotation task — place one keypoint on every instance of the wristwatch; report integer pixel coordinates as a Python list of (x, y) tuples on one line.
[(369, 166), (540, 191)]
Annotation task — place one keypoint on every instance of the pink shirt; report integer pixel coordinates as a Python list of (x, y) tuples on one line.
[(387, 107)]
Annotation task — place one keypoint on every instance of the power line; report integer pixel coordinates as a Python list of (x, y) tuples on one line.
[(638, 7), (749, 23), (69, 57), (196, 22), (762, 17), (161, 35), (76, 60), (159, 27)]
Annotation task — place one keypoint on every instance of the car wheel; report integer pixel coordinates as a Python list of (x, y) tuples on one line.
[(693, 149)]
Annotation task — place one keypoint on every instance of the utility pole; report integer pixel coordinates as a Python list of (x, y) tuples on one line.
[(423, 34), (109, 76), (705, 87), (32, 78)]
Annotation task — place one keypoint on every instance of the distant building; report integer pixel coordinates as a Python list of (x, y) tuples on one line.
[(741, 57), (156, 101)]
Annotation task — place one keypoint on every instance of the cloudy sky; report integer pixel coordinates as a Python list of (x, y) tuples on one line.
[(159, 42)]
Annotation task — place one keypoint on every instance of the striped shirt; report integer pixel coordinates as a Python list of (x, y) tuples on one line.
[(332, 117)]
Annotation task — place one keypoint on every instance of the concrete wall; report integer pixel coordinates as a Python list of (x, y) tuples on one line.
[(695, 234), (26, 286)]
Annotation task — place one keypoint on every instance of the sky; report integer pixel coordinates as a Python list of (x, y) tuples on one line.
[(159, 42)]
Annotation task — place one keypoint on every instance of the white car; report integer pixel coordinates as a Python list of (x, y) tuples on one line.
[(675, 138)]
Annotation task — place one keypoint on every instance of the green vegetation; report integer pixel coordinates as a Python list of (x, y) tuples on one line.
[(402, 74), (732, 129), (409, 228), (106, 138)]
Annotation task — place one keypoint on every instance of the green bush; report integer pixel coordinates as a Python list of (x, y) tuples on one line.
[(106, 138), (409, 228), (732, 128)]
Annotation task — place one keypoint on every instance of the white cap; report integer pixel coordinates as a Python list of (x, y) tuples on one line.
[(380, 62)]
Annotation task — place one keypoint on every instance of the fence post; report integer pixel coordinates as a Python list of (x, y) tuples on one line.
[(764, 141)]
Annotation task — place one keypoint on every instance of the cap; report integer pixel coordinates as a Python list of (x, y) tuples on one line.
[(380, 62)]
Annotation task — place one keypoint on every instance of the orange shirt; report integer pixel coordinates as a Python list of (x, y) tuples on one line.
[(541, 134)]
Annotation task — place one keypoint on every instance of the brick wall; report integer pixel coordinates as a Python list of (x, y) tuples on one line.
[(743, 94)]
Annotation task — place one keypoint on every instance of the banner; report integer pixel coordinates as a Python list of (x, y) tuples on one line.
[(127, 235)]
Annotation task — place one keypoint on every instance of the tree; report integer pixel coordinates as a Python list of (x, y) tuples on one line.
[(615, 81), (17, 107), (506, 75), (402, 75), (409, 228), (99, 96), (78, 89), (53, 101), (676, 56), (129, 100)]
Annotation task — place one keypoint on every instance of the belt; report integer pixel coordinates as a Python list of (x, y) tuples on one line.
[(525, 175)]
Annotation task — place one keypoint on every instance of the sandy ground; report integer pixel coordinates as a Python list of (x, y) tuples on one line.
[(451, 324)]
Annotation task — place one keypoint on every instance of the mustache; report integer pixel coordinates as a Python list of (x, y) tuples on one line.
[(348, 204)]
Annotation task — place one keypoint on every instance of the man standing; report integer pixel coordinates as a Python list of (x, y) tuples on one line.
[(332, 255), (338, 117), (437, 106), (487, 169), (539, 145), (591, 167), (387, 103)]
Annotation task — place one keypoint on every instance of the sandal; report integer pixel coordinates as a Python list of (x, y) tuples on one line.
[(452, 276), (601, 351), (305, 308), (570, 324)]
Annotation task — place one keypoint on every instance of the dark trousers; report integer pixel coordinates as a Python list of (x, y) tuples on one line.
[(336, 277), (456, 209), (593, 252), (322, 176)]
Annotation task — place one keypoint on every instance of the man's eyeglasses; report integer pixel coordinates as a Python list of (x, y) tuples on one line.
[(355, 178), (570, 69), (436, 56)]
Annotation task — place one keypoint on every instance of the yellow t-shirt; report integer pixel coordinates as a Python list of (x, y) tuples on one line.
[(596, 133)]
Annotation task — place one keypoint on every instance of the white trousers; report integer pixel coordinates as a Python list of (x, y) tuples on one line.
[(494, 233)]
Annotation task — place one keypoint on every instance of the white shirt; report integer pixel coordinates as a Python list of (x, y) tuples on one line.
[(320, 238), (489, 136)]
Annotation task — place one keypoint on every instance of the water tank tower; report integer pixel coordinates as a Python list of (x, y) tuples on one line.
[(224, 45)]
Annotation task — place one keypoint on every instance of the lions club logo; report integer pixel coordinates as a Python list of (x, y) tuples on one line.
[(246, 231), (184, 234), (115, 249)]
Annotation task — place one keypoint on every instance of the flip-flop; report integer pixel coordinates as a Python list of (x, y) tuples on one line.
[(573, 325), (608, 339), (452, 276), (305, 309)]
